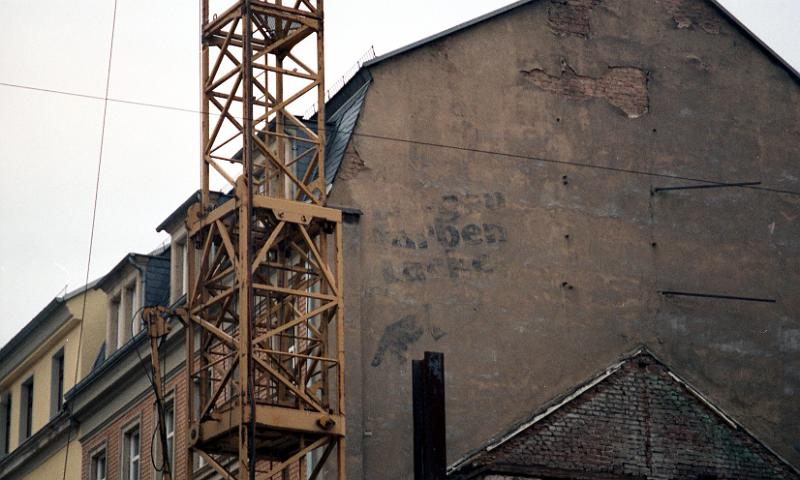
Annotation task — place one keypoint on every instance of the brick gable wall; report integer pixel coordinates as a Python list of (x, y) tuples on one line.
[(640, 422)]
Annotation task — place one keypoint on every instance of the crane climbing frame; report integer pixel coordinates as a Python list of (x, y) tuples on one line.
[(264, 311)]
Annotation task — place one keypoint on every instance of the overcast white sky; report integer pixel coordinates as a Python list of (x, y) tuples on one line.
[(49, 143)]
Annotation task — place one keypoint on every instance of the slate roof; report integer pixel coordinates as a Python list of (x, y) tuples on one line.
[(635, 420), (156, 281), (38, 322), (156, 274), (179, 214), (342, 112)]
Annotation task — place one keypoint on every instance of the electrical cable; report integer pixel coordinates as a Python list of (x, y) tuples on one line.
[(94, 219), (432, 144), (151, 378)]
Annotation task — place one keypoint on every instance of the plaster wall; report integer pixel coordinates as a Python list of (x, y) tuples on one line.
[(41, 371), (53, 467), (531, 274), (94, 328)]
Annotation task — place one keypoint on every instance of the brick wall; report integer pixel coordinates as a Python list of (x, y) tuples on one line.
[(640, 422), (143, 413)]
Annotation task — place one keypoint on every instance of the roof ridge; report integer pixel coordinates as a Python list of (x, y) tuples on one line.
[(564, 399), (494, 13)]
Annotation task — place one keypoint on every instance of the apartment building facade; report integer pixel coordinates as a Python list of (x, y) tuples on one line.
[(115, 405), (39, 365)]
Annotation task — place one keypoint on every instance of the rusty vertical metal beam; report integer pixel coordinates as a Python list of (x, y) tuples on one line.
[(321, 104), (430, 444), (247, 460), (204, 178)]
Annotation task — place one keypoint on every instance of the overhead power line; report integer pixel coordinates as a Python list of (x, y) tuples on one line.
[(608, 168), (94, 219)]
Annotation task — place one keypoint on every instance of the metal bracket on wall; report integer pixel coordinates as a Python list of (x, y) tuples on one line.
[(698, 187), (671, 293)]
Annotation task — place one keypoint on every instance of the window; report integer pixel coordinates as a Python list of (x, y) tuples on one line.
[(26, 414), (57, 383), (113, 324), (99, 465), (180, 267), (123, 304), (128, 303), (5, 424), (169, 422), (199, 461), (130, 454)]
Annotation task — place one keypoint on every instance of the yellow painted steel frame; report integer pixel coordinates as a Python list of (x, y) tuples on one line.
[(264, 336)]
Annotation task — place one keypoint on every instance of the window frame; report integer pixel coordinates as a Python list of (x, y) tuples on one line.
[(6, 403), (124, 300), (127, 460), (129, 297), (57, 369), (26, 409), (169, 405), (179, 265), (198, 461), (93, 457), (112, 328)]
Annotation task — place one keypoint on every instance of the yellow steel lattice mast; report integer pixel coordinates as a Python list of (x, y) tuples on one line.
[(264, 312)]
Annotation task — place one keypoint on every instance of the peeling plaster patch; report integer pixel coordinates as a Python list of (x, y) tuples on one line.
[(622, 87), (570, 17), (691, 14), (352, 164)]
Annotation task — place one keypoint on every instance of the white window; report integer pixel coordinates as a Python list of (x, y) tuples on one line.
[(199, 461), (129, 302), (124, 300), (130, 454), (180, 267), (169, 422), (99, 465)]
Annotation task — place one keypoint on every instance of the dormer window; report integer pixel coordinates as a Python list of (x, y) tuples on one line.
[(180, 270), (130, 307), (124, 303)]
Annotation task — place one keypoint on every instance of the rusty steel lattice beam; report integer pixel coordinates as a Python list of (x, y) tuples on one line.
[(264, 312)]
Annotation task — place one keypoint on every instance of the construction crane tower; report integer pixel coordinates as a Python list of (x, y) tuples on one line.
[(264, 304)]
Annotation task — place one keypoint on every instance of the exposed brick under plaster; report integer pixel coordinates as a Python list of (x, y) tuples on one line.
[(570, 17), (691, 14), (622, 87)]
